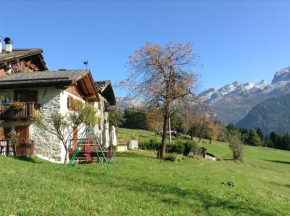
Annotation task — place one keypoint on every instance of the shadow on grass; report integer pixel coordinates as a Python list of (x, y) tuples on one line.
[(281, 185), (278, 161), (172, 195), (27, 159), (228, 159), (132, 154)]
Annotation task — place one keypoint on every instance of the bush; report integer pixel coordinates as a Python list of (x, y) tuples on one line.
[(188, 147), (152, 144), (142, 144), (177, 148), (237, 146), (171, 158)]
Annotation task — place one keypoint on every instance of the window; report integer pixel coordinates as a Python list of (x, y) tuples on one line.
[(21, 97), (25, 96)]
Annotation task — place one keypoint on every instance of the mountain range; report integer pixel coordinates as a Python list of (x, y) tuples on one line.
[(234, 101), (125, 102)]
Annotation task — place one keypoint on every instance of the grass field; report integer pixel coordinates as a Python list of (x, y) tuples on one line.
[(143, 185)]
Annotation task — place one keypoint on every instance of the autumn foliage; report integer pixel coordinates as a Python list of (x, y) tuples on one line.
[(163, 77)]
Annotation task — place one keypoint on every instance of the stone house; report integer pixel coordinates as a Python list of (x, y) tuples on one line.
[(24, 77), (43, 93)]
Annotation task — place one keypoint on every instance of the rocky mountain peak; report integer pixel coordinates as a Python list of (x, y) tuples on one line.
[(261, 85), (282, 75)]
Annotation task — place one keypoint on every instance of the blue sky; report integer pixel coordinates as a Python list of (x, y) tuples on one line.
[(238, 40)]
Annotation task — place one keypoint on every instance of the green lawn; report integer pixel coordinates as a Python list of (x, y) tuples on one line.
[(143, 135), (143, 185)]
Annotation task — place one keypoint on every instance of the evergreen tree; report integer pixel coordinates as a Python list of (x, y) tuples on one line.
[(268, 142), (274, 139), (231, 129), (260, 134), (135, 118), (279, 144), (286, 142), (254, 138), (244, 135)]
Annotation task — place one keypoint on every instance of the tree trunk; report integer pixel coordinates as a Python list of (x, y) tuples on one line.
[(66, 157), (164, 135), (191, 134)]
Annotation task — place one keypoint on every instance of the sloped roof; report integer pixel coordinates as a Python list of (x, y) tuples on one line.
[(17, 54), (82, 78), (101, 85), (106, 90), (44, 78)]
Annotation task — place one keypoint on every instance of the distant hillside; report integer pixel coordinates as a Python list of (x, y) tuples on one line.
[(270, 115)]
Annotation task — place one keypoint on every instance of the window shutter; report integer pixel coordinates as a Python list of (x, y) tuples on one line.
[(2, 136), (69, 102)]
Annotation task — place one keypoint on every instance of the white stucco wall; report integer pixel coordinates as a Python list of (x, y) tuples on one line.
[(103, 117)]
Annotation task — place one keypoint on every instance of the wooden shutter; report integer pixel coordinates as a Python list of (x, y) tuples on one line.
[(2, 135), (23, 132), (69, 102)]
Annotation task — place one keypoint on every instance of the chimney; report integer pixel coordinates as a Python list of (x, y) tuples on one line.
[(8, 43)]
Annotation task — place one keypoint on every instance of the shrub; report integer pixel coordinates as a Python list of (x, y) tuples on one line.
[(171, 158), (237, 146), (152, 144), (188, 147), (178, 147), (13, 135)]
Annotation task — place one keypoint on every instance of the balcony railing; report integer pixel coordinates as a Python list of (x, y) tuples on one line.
[(25, 147), (30, 109)]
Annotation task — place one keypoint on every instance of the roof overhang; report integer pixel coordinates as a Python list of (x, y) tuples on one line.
[(86, 85), (105, 89)]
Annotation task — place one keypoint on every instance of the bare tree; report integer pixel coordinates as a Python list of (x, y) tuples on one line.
[(62, 126), (163, 77)]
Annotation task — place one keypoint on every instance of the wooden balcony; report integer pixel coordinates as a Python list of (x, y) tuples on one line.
[(25, 147), (30, 110)]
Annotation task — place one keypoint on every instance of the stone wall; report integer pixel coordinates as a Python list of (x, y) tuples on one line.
[(47, 145)]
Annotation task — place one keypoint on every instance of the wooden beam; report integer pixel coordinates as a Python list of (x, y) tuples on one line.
[(82, 85), (90, 96), (4, 64)]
